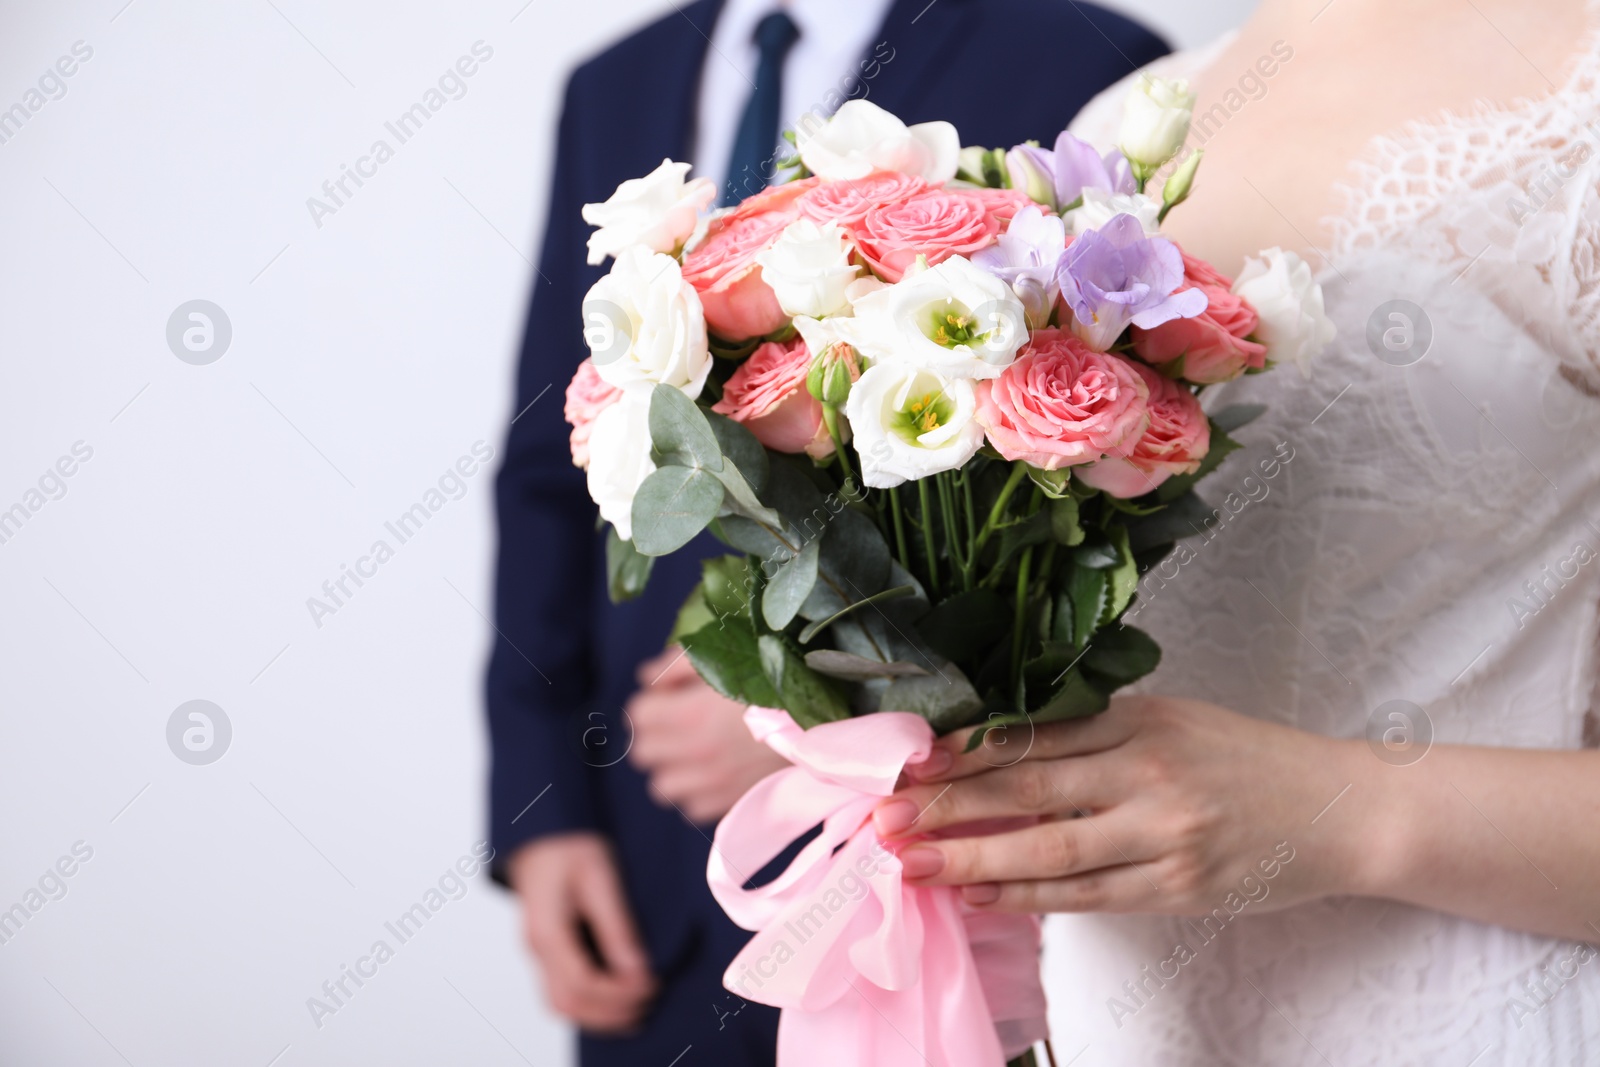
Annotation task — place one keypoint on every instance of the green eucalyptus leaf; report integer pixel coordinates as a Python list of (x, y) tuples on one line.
[(627, 569), (789, 586), (946, 699), (810, 632), (740, 446), (672, 506), (853, 668), (679, 433)]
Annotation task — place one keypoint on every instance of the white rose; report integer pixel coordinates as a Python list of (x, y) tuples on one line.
[(1100, 207), (658, 211), (643, 324), (909, 423), (808, 268), (956, 319), (1155, 120), (619, 459), (861, 137), (1280, 286)]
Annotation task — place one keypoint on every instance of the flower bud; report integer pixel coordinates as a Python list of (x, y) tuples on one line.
[(1155, 121), (1031, 171), (832, 373), (1176, 191)]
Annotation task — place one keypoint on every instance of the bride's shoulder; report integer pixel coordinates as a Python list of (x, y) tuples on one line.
[(1097, 122)]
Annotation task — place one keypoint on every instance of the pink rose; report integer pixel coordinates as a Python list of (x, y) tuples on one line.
[(775, 198), (587, 396), (1212, 344), (846, 202), (738, 305), (768, 395), (1001, 203), (1062, 403), (936, 223), (1175, 442)]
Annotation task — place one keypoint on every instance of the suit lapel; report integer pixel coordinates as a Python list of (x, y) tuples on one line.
[(675, 91)]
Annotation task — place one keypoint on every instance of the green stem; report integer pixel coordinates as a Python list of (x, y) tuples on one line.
[(947, 508), (830, 418), (899, 528), (972, 521), (1018, 472), (927, 537), (1020, 639)]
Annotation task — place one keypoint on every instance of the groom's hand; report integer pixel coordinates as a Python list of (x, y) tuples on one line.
[(692, 741), (576, 922)]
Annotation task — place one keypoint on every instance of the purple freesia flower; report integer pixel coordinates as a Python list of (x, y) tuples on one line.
[(1065, 172), (1025, 258), (1116, 276)]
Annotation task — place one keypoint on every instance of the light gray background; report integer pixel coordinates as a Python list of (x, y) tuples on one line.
[(367, 355)]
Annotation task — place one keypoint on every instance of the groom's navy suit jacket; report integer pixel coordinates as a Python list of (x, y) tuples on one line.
[(1003, 71)]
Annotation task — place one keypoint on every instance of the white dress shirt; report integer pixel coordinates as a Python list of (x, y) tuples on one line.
[(821, 71)]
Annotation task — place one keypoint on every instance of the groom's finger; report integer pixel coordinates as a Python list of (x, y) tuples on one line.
[(1008, 745), (1031, 787), (1055, 849)]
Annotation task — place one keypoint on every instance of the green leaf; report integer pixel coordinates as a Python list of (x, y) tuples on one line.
[(962, 626), (854, 564), (1087, 591), (1120, 655), (1234, 416), (1098, 555), (946, 699), (1122, 581), (1016, 536), (695, 614), (853, 668), (672, 506), (810, 632), (728, 585), (728, 657), (627, 569), (679, 433), (1074, 698), (806, 695), (1064, 525), (741, 447), (1056, 484), (789, 586), (1184, 516)]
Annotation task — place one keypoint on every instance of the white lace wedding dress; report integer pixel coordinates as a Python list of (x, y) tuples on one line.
[(1391, 559)]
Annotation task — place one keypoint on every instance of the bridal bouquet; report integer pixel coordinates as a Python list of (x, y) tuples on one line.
[(942, 405)]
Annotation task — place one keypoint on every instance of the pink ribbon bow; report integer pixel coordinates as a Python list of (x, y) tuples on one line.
[(870, 972)]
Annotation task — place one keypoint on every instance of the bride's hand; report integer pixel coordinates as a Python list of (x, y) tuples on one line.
[(1155, 805)]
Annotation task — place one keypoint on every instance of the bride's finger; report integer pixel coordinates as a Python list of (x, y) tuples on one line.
[(1012, 744), (1128, 888), (1055, 849), (1031, 787)]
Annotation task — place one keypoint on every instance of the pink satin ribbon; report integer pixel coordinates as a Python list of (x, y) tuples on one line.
[(869, 972)]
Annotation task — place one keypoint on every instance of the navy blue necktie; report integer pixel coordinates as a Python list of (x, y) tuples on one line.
[(751, 164)]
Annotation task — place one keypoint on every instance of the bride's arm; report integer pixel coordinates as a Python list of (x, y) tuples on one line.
[(1190, 807)]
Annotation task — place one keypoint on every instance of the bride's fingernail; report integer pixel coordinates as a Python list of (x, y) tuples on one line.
[(921, 862), (895, 817), (938, 761), (980, 894)]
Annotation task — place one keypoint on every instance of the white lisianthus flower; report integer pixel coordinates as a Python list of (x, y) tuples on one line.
[(956, 319), (808, 268), (1281, 288), (619, 459), (658, 211), (1155, 120), (862, 137), (911, 422), (1101, 206), (644, 326)]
